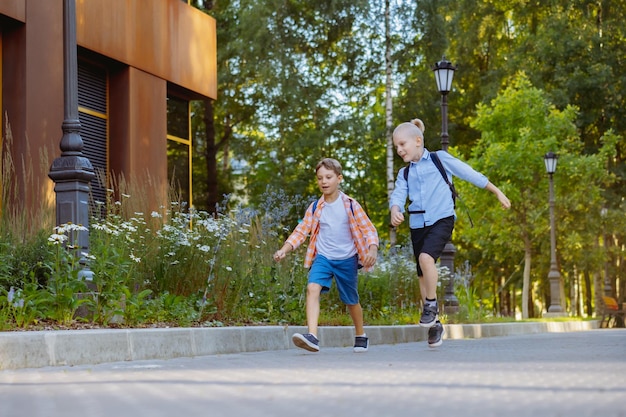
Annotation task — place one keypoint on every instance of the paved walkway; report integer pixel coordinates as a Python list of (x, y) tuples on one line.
[(579, 373)]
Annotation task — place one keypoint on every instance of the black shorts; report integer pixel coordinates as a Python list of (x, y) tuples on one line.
[(431, 239)]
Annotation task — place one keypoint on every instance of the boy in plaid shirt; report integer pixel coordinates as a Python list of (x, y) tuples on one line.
[(342, 240)]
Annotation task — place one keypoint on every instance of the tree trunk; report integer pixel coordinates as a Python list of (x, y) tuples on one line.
[(389, 119), (526, 279), (587, 301)]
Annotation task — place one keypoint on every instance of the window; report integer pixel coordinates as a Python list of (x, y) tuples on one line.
[(93, 115), (179, 149)]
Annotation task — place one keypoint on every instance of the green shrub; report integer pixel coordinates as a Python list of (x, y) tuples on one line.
[(173, 268)]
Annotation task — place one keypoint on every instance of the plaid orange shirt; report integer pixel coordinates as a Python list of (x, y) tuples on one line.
[(363, 231)]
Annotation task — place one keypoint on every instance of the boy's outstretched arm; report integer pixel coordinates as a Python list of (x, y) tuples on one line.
[(506, 204), (296, 237)]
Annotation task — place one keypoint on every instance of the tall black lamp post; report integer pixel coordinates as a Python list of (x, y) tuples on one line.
[(554, 276), (444, 72), (607, 280), (72, 172)]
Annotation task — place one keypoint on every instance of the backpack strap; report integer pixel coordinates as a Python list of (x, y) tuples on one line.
[(439, 166), (406, 178)]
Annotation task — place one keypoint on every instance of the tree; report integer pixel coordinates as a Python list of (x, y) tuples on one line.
[(295, 87), (302, 80), (517, 129), (390, 172)]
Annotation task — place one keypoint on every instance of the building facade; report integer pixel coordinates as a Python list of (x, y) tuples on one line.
[(140, 63)]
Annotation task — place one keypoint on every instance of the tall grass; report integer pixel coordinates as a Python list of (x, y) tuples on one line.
[(170, 265), (24, 255), (15, 221)]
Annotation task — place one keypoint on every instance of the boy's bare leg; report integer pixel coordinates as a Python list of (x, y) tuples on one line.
[(356, 312), (313, 292), (422, 288), (428, 283)]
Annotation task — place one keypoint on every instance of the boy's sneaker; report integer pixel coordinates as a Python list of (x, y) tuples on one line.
[(434, 335), (361, 343), (306, 341), (429, 316)]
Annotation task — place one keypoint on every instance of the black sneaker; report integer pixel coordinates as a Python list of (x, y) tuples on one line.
[(361, 343), (429, 316), (306, 341), (434, 335)]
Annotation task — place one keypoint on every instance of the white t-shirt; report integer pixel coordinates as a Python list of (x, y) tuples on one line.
[(335, 239)]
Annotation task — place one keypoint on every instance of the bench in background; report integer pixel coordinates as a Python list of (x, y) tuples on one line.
[(611, 313)]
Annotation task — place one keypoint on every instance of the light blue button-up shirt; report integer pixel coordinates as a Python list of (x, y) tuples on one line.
[(429, 191)]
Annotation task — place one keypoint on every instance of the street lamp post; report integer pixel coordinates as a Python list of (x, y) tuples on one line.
[(554, 276), (444, 72), (72, 172), (607, 279)]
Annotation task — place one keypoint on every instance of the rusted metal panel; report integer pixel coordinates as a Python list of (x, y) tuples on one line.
[(15, 9), (159, 41), (166, 38), (137, 139)]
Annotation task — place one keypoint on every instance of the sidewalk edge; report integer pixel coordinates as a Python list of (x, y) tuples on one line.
[(82, 347)]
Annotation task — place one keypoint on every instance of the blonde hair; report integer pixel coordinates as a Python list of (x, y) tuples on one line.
[(330, 164), (420, 125), (416, 126)]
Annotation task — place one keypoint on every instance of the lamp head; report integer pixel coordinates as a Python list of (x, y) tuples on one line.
[(444, 72), (550, 160)]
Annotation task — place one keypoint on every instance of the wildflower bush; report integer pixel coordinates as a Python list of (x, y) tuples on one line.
[(180, 267)]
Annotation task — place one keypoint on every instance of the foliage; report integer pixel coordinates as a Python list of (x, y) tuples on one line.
[(471, 306), (224, 275), (22, 307), (518, 128), (319, 91), (303, 80), (314, 96)]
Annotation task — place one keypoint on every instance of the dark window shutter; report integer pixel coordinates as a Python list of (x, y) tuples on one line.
[(92, 102)]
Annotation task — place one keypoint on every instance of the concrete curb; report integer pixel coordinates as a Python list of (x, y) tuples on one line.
[(82, 347)]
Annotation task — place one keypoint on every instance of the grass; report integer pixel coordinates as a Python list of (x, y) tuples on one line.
[(174, 266)]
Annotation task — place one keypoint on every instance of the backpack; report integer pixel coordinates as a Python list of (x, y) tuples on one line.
[(439, 165)]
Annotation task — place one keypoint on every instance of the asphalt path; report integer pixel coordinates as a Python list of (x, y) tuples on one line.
[(548, 374)]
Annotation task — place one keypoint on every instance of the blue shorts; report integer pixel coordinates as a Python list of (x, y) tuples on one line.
[(344, 271)]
